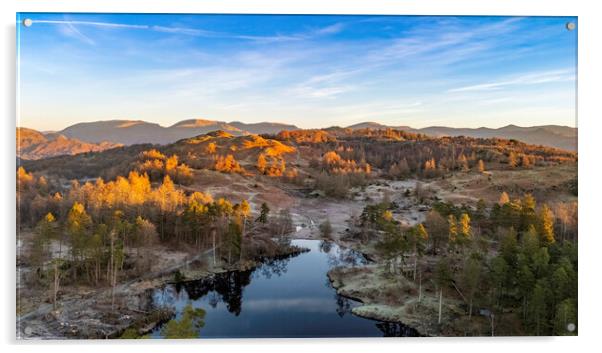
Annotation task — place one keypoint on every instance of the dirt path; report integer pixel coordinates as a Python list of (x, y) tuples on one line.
[(309, 213)]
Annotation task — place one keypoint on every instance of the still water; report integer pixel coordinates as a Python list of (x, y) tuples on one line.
[(284, 298)]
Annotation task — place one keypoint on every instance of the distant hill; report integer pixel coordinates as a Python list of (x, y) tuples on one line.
[(391, 153), (563, 137), (129, 132), (32, 144), (373, 125)]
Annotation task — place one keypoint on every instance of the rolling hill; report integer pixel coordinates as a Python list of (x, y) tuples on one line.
[(32, 144), (130, 132), (563, 137)]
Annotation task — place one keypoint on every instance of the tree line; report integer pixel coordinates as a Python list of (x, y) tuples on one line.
[(92, 233)]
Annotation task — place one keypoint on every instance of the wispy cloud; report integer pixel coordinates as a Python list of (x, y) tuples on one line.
[(332, 29), (92, 23), (403, 71), (322, 92), (328, 85), (306, 35), (444, 41), (324, 31), (528, 79), (69, 30), (183, 30)]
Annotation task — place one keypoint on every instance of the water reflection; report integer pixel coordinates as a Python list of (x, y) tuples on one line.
[(395, 329), (343, 305), (341, 256), (289, 297)]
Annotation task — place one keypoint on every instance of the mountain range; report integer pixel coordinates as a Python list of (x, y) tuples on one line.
[(101, 135), (562, 137)]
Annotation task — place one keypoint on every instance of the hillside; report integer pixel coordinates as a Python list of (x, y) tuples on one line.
[(32, 144), (130, 132), (308, 153), (563, 137)]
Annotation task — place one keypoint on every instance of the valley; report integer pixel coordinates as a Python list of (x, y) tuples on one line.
[(443, 223)]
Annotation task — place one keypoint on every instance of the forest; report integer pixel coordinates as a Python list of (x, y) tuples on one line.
[(500, 262), (515, 258)]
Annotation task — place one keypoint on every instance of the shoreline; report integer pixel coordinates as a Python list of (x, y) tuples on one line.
[(85, 317)]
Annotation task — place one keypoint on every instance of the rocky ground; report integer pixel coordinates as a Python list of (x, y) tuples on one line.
[(395, 298), (86, 312)]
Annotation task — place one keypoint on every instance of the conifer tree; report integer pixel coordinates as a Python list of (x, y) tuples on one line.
[(263, 214)]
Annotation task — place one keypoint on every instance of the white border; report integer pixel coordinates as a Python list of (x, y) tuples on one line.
[(589, 142)]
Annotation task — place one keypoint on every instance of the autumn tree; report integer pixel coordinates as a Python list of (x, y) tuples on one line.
[(211, 148), (25, 180), (463, 161), (227, 164), (546, 219), (45, 231), (430, 168), (504, 198), (512, 159), (465, 229), (481, 166), (244, 210), (261, 163), (78, 226)]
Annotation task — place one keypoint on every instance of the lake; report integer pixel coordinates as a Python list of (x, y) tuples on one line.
[(283, 298)]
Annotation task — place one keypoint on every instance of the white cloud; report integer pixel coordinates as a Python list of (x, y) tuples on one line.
[(328, 30), (332, 29), (527, 79), (183, 30), (92, 23), (69, 30)]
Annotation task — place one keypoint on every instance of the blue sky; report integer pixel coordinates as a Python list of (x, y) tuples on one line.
[(312, 71)]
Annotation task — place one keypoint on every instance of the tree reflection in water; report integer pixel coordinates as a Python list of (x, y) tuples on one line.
[(226, 287), (297, 309), (338, 256), (395, 329), (343, 305), (274, 267)]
